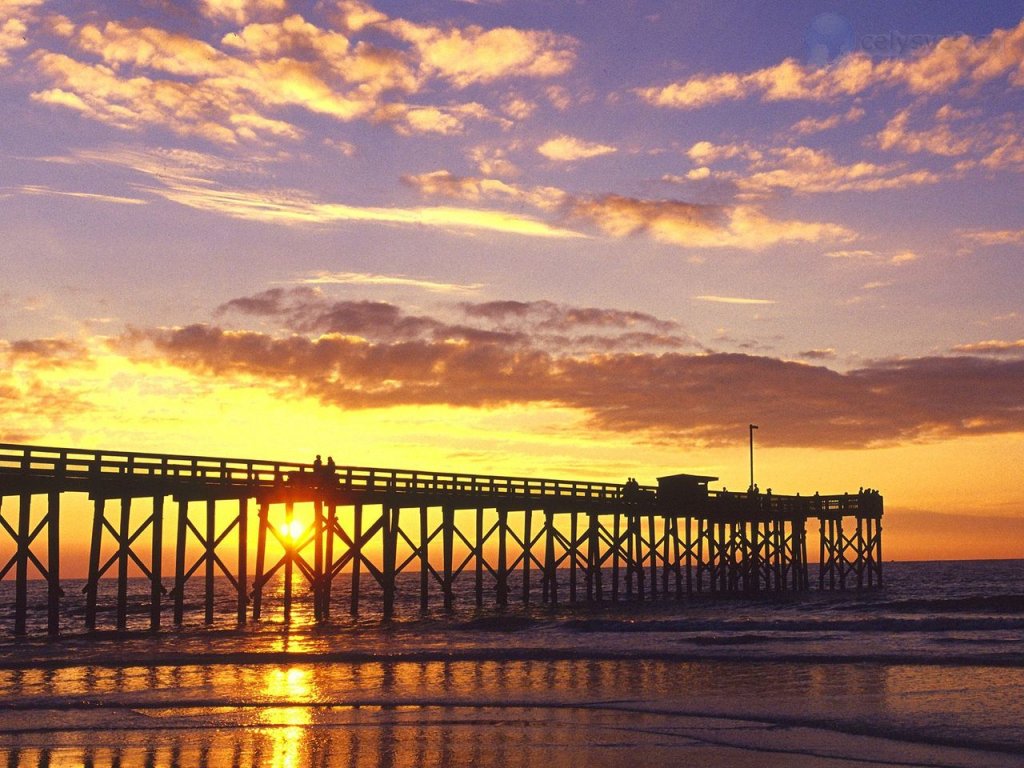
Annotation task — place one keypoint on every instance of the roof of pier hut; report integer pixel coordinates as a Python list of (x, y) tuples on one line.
[(684, 480), (683, 487)]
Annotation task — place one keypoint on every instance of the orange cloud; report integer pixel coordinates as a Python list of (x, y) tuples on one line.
[(568, 148), (815, 125), (447, 184), (732, 300), (804, 171), (239, 11), (992, 347), (29, 189), (28, 398), (994, 236), (700, 226), (670, 221), (938, 69), (132, 76), (18, 15), (475, 55)]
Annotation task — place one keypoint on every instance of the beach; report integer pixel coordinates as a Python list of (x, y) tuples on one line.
[(891, 677)]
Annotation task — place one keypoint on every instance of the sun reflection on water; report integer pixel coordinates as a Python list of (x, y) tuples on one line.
[(288, 724)]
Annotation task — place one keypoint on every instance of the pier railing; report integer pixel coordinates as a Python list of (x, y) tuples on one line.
[(73, 465)]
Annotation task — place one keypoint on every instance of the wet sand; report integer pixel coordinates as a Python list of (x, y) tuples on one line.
[(510, 713)]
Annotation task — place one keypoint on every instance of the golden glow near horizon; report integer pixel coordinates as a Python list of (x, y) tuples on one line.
[(466, 239)]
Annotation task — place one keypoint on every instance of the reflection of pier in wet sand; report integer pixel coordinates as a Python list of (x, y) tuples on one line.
[(511, 536)]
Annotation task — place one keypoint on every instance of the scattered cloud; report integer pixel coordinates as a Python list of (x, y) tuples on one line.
[(370, 279), (493, 161), (29, 396), (951, 62), (827, 353), (993, 143), (894, 258), (816, 125), (700, 226), (41, 190), (298, 208), (567, 149), (733, 300), (705, 152), (473, 55), (246, 86), (992, 347), (805, 171), (993, 236), (239, 11), (17, 15)]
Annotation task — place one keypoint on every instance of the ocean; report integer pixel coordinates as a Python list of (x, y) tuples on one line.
[(927, 671)]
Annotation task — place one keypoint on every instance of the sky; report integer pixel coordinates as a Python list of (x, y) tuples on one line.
[(589, 240)]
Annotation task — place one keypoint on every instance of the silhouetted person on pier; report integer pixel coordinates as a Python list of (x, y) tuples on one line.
[(318, 466), (331, 470)]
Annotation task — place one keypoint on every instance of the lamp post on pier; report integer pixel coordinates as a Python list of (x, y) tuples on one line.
[(752, 428)]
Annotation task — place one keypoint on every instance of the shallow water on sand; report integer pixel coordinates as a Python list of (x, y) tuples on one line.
[(926, 672)]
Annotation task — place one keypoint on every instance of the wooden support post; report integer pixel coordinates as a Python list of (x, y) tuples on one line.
[(124, 531), (261, 555), (289, 559), (527, 554), (448, 542), (724, 547), (318, 559), (652, 548), (638, 534), (878, 548), (156, 586), (390, 536), (328, 585), (357, 556), (666, 555), (179, 563), (616, 554), (676, 555), (243, 559), (550, 582), (21, 565), (840, 549), (805, 570), (821, 566), (593, 558), (688, 521), (573, 553), (424, 560), (702, 529), (502, 586), (629, 556), (211, 538), (861, 560), (53, 563), (479, 539)]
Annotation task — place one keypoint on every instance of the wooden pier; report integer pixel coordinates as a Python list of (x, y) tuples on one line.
[(569, 541)]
